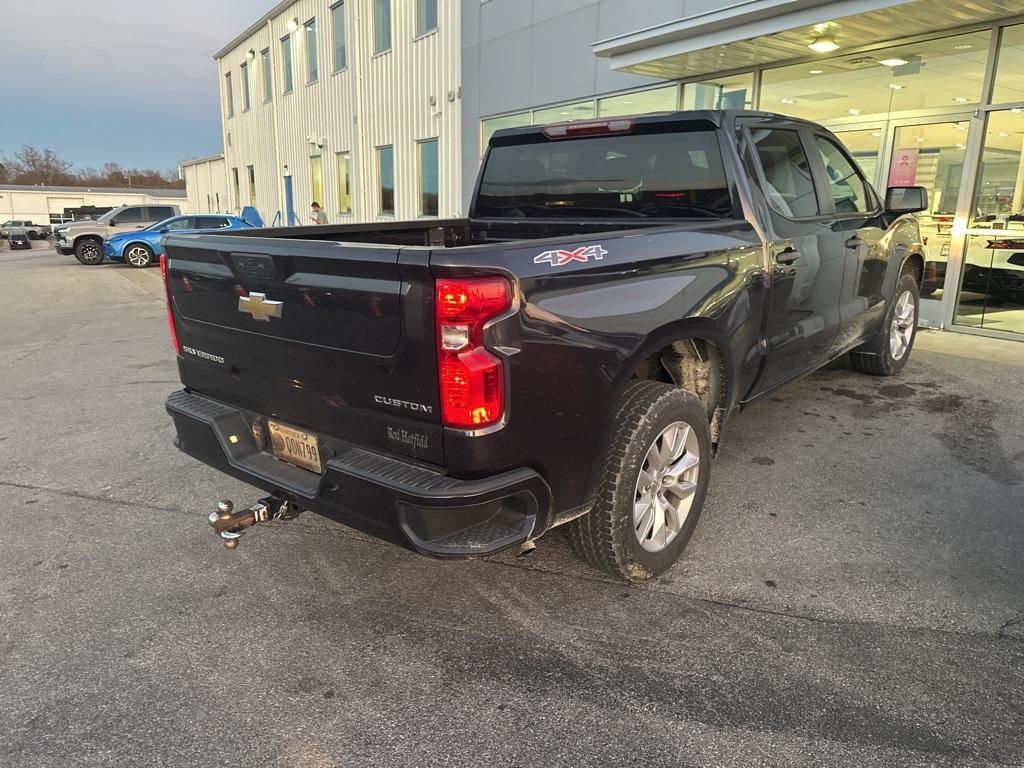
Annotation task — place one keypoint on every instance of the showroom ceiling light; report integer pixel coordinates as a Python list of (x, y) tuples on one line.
[(1003, 134), (853, 111), (893, 62), (817, 71), (963, 47), (895, 87), (961, 146), (824, 44), (787, 101), (960, 99)]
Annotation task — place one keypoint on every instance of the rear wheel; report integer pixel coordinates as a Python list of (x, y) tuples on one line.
[(655, 476), (889, 352), (88, 250), (139, 255)]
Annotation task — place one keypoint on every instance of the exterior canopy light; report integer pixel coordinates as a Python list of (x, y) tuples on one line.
[(293, 24), (893, 62), (824, 44)]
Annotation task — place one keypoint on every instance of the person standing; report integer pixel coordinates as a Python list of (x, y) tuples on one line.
[(317, 214)]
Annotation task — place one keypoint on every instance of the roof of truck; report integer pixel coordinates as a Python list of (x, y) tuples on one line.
[(715, 116)]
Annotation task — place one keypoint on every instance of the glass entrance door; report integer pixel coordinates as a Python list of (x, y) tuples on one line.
[(931, 155)]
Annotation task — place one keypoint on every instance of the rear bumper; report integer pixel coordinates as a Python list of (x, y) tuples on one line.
[(393, 499)]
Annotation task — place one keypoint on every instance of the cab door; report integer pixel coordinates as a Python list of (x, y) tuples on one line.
[(805, 275), (857, 234), (130, 218)]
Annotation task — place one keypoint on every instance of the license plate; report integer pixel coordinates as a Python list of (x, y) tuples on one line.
[(295, 446)]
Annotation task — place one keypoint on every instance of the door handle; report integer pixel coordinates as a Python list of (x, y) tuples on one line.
[(787, 256), (855, 242)]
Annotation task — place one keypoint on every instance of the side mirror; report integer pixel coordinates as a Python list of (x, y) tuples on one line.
[(112, 223), (906, 199), (164, 231)]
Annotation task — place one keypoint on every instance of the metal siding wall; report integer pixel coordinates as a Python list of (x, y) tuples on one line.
[(375, 100), (203, 183), (37, 205)]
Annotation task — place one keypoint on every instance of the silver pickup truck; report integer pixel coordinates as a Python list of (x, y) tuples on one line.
[(85, 239), (34, 231)]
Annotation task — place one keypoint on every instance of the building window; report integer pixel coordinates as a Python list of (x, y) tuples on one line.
[(252, 184), (428, 177), (245, 87), (489, 126), (286, 64), (268, 84), (312, 71), (733, 92), (234, 188), (945, 73), (316, 178), (1009, 85), (386, 174), (344, 162), (338, 26), (426, 16), (583, 110), (229, 95), (657, 100), (381, 26)]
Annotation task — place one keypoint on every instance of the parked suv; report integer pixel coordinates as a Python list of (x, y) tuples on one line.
[(85, 238)]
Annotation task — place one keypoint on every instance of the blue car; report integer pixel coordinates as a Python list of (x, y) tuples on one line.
[(143, 247)]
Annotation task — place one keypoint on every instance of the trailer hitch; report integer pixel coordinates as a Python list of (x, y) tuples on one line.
[(229, 524)]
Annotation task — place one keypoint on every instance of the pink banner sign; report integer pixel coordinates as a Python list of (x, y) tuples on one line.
[(903, 171)]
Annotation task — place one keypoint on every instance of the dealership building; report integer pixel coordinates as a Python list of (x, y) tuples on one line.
[(381, 109), (58, 204)]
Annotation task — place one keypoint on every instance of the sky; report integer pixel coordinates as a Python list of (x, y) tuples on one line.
[(128, 81)]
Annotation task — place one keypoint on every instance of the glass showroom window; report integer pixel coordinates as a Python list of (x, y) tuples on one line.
[(1009, 84), (734, 92), (245, 87), (386, 174), (426, 16), (234, 188), (582, 110), (344, 162), (489, 126), (944, 73), (252, 184), (268, 84), (312, 70), (338, 27), (658, 100), (428, 177), (316, 177), (229, 95), (381, 26), (286, 64), (992, 280)]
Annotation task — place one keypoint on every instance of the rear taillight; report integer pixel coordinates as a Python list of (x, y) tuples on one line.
[(170, 305), (471, 377)]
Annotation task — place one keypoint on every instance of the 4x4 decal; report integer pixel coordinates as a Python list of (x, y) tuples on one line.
[(560, 257)]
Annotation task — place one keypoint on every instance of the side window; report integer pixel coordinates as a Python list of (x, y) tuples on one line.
[(160, 212), (130, 216), (183, 223), (845, 184), (789, 186)]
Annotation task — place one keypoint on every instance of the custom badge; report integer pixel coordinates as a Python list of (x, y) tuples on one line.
[(560, 258)]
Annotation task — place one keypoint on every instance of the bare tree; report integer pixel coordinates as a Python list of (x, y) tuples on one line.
[(43, 166)]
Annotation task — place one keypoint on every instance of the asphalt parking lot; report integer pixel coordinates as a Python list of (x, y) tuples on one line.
[(854, 594)]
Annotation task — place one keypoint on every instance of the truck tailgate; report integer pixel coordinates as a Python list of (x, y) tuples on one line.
[(334, 338)]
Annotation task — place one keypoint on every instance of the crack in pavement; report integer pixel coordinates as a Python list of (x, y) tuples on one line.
[(354, 535)]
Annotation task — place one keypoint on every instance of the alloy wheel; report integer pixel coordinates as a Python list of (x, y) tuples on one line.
[(665, 486), (901, 331), (137, 256)]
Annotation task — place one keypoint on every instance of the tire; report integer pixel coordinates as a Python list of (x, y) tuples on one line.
[(33, 235), (888, 353), (89, 251), (139, 255), (619, 535)]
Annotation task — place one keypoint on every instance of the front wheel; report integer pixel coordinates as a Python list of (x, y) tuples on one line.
[(655, 477), (89, 251), (889, 352), (138, 255)]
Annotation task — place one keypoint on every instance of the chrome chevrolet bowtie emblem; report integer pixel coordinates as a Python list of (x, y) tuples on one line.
[(259, 306)]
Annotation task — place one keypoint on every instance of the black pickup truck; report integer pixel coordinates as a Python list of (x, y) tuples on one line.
[(567, 355)]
